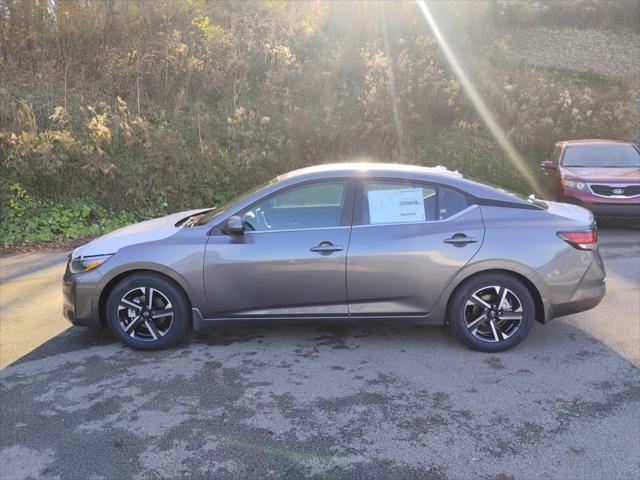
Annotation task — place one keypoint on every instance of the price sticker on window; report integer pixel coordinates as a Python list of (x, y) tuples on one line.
[(396, 206)]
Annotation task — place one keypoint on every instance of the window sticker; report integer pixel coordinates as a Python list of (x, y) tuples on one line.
[(396, 206)]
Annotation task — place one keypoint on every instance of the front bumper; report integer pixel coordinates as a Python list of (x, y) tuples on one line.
[(615, 210), (603, 206), (80, 300)]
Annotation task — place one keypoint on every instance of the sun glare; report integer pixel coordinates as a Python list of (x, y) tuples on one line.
[(479, 104), (392, 83)]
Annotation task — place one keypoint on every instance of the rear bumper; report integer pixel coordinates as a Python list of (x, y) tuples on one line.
[(589, 300), (79, 301), (590, 292)]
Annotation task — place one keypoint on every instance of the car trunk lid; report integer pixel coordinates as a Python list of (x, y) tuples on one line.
[(571, 212)]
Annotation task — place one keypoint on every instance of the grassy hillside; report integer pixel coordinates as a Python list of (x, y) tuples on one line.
[(111, 111)]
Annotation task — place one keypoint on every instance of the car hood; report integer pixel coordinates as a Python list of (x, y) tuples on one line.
[(593, 174), (570, 211), (142, 232)]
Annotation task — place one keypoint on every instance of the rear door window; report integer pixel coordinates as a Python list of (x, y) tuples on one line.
[(394, 202)]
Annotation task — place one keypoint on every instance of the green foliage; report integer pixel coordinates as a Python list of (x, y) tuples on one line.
[(28, 220), (117, 107), (477, 157)]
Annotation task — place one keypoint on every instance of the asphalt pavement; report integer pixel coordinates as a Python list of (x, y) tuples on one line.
[(320, 400)]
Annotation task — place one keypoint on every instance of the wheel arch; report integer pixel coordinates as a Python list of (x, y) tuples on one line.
[(541, 315), (114, 280)]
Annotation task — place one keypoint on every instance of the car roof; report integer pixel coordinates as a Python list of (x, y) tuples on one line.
[(437, 174), (594, 141), (367, 168)]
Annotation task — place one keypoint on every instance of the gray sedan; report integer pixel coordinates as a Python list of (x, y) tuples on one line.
[(345, 241)]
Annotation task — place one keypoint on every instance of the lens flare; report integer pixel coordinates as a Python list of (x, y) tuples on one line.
[(485, 113), (392, 83)]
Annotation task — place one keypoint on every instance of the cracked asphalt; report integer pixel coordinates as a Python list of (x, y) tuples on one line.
[(325, 400)]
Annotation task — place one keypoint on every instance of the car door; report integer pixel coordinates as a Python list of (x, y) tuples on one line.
[(551, 174), (291, 259), (408, 241)]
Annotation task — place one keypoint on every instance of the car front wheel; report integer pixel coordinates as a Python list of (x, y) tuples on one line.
[(147, 311), (492, 312)]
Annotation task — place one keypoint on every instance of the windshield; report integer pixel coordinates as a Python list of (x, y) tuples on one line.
[(206, 217), (615, 156)]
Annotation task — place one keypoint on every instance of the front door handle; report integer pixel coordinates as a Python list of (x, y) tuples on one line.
[(326, 248), (460, 240)]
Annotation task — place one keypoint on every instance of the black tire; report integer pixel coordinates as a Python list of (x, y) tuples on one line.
[(166, 330), (465, 312)]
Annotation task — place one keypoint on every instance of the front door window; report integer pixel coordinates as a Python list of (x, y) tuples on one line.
[(317, 205)]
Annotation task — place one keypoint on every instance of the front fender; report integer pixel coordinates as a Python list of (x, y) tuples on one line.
[(120, 270), (180, 259)]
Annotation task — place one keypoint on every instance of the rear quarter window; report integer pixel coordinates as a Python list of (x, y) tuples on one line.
[(450, 202)]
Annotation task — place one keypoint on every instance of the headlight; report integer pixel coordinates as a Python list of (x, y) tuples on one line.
[(79, 265), (573, 184)]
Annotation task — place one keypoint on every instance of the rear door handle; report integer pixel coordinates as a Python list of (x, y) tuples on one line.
[(326, 248), (460, 240)]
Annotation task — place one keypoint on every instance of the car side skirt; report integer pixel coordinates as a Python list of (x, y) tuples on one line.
[(201, 323)]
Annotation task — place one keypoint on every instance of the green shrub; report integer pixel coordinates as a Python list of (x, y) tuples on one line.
[(25, 219), (476, 157), (186, 104)]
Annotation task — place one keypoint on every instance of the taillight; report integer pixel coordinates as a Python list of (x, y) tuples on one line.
[(582, 240)]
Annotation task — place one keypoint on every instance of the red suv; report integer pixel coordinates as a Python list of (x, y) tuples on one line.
[(601, 175)]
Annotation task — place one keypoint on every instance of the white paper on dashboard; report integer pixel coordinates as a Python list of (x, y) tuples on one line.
[(396, 206)]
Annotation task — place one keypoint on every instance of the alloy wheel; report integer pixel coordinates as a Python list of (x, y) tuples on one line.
[(145, 314), (493, 313)]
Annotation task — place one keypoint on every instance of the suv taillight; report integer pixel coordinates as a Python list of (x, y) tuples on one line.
[(582, 239)]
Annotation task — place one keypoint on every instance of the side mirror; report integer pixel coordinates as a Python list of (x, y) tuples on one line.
[(234, 225), (547, 164)]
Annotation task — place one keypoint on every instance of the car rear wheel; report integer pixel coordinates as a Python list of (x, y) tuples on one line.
[(147, 311), (492, 312)]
